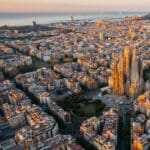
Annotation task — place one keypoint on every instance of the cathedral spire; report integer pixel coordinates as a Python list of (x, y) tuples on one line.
[(134, 68), (126, 73)]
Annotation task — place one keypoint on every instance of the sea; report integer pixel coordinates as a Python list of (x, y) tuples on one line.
[(21, 19)]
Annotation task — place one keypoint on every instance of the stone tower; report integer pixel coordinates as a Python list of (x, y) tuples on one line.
[(127, 74)]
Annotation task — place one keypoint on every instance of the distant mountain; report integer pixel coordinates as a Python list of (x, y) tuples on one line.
[(146, 17)]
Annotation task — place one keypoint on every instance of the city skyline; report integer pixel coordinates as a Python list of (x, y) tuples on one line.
[(76, 6), (74, 75)]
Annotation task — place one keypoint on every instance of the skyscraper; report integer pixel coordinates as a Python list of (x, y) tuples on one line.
[(127, 74)]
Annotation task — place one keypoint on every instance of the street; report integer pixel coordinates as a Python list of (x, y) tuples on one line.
[(124, 106)]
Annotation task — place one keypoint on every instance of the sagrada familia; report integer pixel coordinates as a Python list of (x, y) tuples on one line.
[(127, 74)]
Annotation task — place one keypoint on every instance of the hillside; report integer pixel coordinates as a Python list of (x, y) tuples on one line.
[(146, 17)]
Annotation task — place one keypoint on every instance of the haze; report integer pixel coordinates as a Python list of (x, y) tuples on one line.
[(73, 5)]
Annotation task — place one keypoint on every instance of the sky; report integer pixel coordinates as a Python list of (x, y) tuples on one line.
[(73, 5)]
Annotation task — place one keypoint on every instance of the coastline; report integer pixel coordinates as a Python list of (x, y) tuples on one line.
[(25, 19)]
